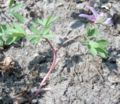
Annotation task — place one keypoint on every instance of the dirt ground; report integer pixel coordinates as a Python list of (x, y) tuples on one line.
[(79, 78)]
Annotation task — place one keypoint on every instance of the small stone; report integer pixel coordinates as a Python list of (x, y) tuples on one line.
[(34, 101), (33, 90), (60, 5), (107, 6), (114, 78)]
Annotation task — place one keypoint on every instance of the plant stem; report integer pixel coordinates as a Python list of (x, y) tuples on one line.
[(52, 66), (54, 62)]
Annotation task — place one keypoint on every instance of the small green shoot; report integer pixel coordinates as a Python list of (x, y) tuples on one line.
[(10, 34), (95, 47), (91, 31), (10, 2), (43, 32), (14, 12)]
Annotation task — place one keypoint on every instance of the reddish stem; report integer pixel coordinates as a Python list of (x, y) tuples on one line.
[(52, 66), (54, 62)]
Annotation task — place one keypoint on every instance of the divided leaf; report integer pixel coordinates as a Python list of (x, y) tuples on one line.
[(19, 17), (102, 52), (1, 41), (93, 51), (102, 43), (93, 44), (15, 7), (92, 32), (45, 31), (46, 22), (34, 30), (10, 3), (11, 33), (98, 48)]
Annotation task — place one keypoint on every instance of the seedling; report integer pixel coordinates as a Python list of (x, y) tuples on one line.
[(10, 3), (40, 30), (14, 12), (43, 33), (95, 47), (12, 32)]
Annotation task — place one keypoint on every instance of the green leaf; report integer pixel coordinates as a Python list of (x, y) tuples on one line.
[(18, 28), (50, 20), (41, 22), (102, 52), (1, 34), (97, 48), (13, 34), (19, 17), (17, 35), (93, 44), (10, 40), (1, 42), (93, 51), (46, 22), (48, 36), (46, 31), (3, 27), (102, 43), (34, 39), (13, 38), (35, 30), (16, 7), (92, 32), (10, 2)]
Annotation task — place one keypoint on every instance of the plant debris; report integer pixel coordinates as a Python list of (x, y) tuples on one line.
[(7, 65)]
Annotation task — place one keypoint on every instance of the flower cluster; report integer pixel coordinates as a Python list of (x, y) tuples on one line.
[(95, 17)]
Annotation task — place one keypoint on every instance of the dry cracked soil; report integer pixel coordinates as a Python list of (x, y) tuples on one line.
[(78, 78)]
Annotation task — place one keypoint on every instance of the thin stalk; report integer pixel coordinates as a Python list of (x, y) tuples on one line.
[(52, 66), (54, 62)]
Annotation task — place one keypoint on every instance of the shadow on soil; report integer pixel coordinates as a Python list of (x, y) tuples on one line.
[(70, 61), (79, 21), (104, 1), (111, 62), (41, 62)]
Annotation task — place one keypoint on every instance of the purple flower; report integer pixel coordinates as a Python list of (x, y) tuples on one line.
[(95, 17), (92, 17)]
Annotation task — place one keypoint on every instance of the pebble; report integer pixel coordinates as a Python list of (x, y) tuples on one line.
[(107, 6), (34, 89), (34, 101), (114, 78), (59, 5)]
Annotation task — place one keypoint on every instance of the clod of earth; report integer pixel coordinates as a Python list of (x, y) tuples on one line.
[(23, 97), (7, 65)]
